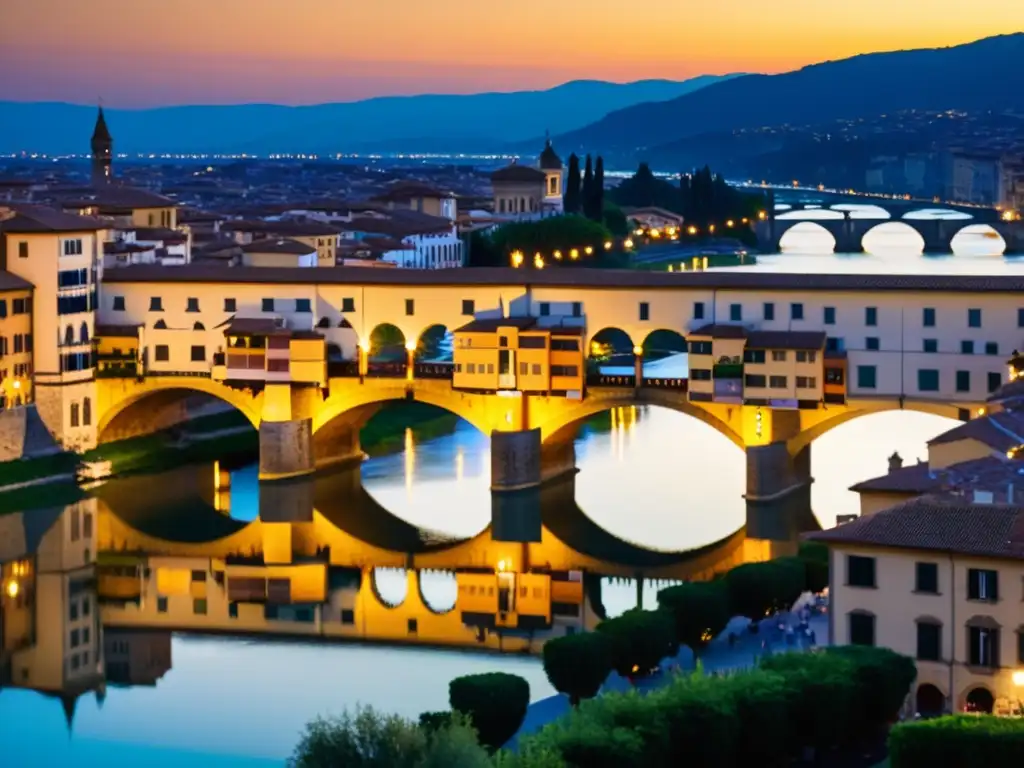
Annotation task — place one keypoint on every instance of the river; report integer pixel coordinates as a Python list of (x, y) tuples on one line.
[(649, 476)]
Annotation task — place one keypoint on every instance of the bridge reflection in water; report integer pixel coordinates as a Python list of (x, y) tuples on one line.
[(92, 590)]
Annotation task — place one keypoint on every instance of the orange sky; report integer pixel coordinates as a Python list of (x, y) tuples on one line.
[(144, 52)]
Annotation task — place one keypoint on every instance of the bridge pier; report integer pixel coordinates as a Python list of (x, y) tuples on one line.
[(778, 489), (286, 432)]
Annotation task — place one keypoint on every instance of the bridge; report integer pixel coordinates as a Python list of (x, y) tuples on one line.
[(929, 343)]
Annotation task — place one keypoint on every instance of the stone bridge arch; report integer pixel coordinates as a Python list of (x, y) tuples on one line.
[(129, 407)]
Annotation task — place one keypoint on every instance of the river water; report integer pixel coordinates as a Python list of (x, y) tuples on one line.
[(649, 476)]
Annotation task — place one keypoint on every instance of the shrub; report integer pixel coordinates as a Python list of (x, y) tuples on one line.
[(763, 704), (589, 738), (701, 719), (639, 640), (699, 611), (883, 679), (435, 721), (816, 560), (577, 665), (957, 740), (454, 745), (495, 704), (365, 739), (759, 589), (530, 754)]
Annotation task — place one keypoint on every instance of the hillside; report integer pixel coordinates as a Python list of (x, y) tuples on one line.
[(401, 123), (962, 77)]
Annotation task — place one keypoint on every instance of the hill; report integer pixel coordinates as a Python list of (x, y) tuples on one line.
[(959, 77), (399, 123)]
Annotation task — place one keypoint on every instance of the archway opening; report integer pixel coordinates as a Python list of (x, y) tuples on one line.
[(807, 238), (664, 355), (387, 346), (929, 701), (439, 591), (931, 214), (434, 345), (610, 353), (893, 237), (980, 700), (861, 211), (978, 240), (179, 417), (390, 586), (811, 214), (835, 467)]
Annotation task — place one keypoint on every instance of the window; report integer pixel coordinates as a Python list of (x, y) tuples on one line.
[(74, 638), (536, 369), (830, 315), (413, 626), (928, 317), (834, 344), (963, 381), (806, 382), (804, 356), (348, 616), (197, 326), (1020, 646), (929, 641), (872, 344), (796, 311), (161, 605), (778, 355), (156, 304), (503, 341), (535, 342), (348, 305), (303, 305), (545, 309), (560, 345), (524, 368), (74, 417), (769, 311), (928, 380), (703, 374), (192, 305), (468, 307), (860, 571), (991, 348), (926, 578), (930, 345), (735, 312), (645, 311), (86, 422), (118, 305), (871, 316), (577, 309), (755, 356), (471, 368), (198, 354), (867, 377), (160, 325), (1020, 318), (698, 310), (162, 353), (701, 348), (778, 382), (995, 381), (564, 370), (73, 247), (982, 585), (755, 381), (982, 646), (966, 347), (199, 606), (862, 629), (22, 250), (267, 305), (230, 305), (974, 318)]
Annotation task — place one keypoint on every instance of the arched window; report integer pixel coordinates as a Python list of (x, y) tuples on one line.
[(160, 324), (198, 327), (87, 412), (74, 414), (69, 336), (83, 333)]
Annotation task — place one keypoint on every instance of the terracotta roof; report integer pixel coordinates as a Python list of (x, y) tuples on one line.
[(916, 479), (160, 233), (999, 431), (35, 219), (122, 246), (406, 190), (288, 247), (115, 197), (938, 525), (491, 324), (400, 224), (521, 173), (117, 331), (1013, 390), (721, 331), (994, 474), (290, 227), (588, 278), (9, 282)]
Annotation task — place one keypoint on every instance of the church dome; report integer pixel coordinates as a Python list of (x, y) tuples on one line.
[(549, 159)]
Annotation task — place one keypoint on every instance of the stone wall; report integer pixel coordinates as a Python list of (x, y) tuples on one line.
[(286, 449), (23, 434)]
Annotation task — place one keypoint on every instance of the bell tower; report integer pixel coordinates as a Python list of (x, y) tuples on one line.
[(102, 151)]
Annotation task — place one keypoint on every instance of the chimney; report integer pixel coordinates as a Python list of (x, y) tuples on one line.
[(895, 462)]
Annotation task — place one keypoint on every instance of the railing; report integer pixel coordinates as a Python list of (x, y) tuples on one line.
[(342, 369), (677, 384), (126, 371), (116, 356), (727, 371), (387, 370), (433, 370)]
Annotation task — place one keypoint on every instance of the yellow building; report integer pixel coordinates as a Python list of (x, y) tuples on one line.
[(278, 252), (16, 341), (910, 578), (516, 353), (117, 351), (263, 350), (420, 197), (780, 369)]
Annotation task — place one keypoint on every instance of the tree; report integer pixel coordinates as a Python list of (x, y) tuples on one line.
[(495, 704), (615, 219), (555, 233), (593, 203), (757, 590), (571, 201), (700, 611), (639, 640), (588, 187), (577, 665), (644, 190)]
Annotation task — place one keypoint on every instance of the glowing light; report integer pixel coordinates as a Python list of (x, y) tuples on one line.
[(691, 230), (745, 221), (638, 350), (1009, 215), (762, 215), (17, 385), (671, 231), (711, 229), (655, 233), (410, 346), (557, 255), (1018, 678), (981, 411), (627, 244), (638, 232), (538, 261), (502, 566), (364, 345), (574, 253), (608, 245), (517, 258), (12, 589), (588, 250), (730, 223)]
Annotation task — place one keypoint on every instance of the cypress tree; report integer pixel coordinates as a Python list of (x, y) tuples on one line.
[(571, 201), (588, 187), (597, 193)]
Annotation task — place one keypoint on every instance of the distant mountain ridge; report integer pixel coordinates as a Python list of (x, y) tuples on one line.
[(393, 123), (958, 77)]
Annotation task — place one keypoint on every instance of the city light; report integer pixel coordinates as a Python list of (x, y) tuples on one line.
[(608, 245), (589, 250), (574, 253), (538, 260), (638, 350), (627, 244), (691, 230), (12, 588), (410, 346), (730, 223), (364, 345), (517, 258)]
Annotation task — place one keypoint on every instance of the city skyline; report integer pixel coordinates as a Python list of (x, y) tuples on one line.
[(315, 51)]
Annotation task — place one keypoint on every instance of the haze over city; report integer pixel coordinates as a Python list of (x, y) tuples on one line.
[(310, 51)]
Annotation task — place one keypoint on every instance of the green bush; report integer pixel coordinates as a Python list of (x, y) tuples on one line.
[(639, 640), (495, 704), (700, 715), (763, 702), (699, 611), (958, 740), (883, 680), (577, 665), (757, 590), (435, 721)]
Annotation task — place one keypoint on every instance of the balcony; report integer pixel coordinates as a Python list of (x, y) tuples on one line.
[(727, 371)]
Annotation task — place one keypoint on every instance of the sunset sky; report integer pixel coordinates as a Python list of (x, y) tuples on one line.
[(144, 52)]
